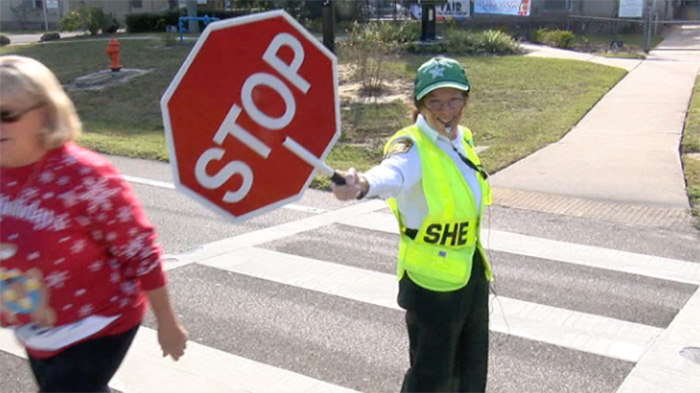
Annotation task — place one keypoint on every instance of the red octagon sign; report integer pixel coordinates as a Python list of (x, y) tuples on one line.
[(248, 84)]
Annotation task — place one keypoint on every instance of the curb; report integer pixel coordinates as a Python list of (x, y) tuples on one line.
[(638, 215)]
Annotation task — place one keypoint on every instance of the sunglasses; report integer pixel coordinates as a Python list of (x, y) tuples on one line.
[(8, 116)]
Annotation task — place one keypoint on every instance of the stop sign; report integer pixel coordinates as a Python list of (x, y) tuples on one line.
[(248, 84)]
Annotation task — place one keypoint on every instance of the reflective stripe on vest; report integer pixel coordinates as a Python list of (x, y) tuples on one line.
[(440, 256)]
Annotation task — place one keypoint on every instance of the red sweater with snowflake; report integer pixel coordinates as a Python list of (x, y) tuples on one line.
[(77, 251)]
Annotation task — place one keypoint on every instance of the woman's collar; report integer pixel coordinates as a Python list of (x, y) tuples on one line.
[(431, 133)]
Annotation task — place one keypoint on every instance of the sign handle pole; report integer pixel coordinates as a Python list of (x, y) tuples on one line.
[(301, 152)]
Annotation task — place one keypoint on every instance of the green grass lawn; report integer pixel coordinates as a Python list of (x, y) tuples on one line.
[(690, 146), (518, 104)]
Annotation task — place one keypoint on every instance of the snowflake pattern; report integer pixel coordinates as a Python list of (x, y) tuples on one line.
[(60, 222), (96, 266), (69, 199), (129, 287), (98, 194), (86, 202), (86, 310), (69, 160), (30, 193), (46, 177), (124, 214), (78, 246), (97, 235), (133, 247), (56, 279)]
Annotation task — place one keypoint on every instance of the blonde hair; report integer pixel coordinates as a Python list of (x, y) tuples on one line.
[(29, 82)]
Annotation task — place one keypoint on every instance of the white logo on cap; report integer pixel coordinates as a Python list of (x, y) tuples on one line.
[(437, 71)]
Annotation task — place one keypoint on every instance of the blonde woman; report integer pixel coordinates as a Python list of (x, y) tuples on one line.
[(80, 263)]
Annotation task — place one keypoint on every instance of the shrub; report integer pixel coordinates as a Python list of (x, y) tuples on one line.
[(460, 41), (50, 37), (495, 41), (146, 22), (86, 17), (558, 38), (465, 42), (369, 46), (4, 40)]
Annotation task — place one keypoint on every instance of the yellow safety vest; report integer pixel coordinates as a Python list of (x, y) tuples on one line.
[(440, 256)]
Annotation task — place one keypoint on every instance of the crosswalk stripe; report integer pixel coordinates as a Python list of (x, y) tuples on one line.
[(571, 329), (662, 368), (202, 369), (579, 254), (171, 186), (276, 232)]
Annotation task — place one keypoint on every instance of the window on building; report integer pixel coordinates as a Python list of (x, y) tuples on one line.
[(136, 3), (35, 4), (555, 4)]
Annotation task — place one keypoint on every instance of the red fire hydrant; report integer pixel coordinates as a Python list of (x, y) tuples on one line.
[(113, 52)]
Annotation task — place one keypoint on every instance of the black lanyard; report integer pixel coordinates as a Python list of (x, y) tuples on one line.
[(470, 164)]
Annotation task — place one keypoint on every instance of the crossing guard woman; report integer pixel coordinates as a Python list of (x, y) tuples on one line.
[(434, 183)]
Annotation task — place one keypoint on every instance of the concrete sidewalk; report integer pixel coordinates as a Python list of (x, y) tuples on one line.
[(625, 151)]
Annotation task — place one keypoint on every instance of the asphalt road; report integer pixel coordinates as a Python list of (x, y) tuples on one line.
[(361, 345)]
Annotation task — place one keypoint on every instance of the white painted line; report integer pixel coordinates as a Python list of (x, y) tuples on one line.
[(579, 331), (202, 369), (579, 254), (148, 182), (269, 234), (283, 230), (171, 186), (302, 208), (662, 368)]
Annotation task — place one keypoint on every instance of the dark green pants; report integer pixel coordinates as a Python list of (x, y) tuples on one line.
[(449, 335)]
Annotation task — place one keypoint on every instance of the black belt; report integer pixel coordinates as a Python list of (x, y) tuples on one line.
[(410, 233)]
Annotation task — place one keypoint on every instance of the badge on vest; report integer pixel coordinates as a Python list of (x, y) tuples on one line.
[(398, 146)]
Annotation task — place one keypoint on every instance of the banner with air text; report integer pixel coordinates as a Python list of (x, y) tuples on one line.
[(453, 9)]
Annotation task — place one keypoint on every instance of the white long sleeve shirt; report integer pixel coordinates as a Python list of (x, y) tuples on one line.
[(399, 176)]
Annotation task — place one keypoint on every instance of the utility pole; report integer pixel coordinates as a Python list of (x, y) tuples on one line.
[(647, 25), (427, 20), (46, 19), (193, 24), (328, 16)]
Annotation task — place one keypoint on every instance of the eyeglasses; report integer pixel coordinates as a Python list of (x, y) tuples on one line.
[(8, 116), (452, 103)]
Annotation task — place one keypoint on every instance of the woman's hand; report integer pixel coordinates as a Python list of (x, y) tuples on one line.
[(172, 339), (354, 187)]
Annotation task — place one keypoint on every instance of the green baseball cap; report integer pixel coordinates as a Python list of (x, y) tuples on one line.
[(439, 72)]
